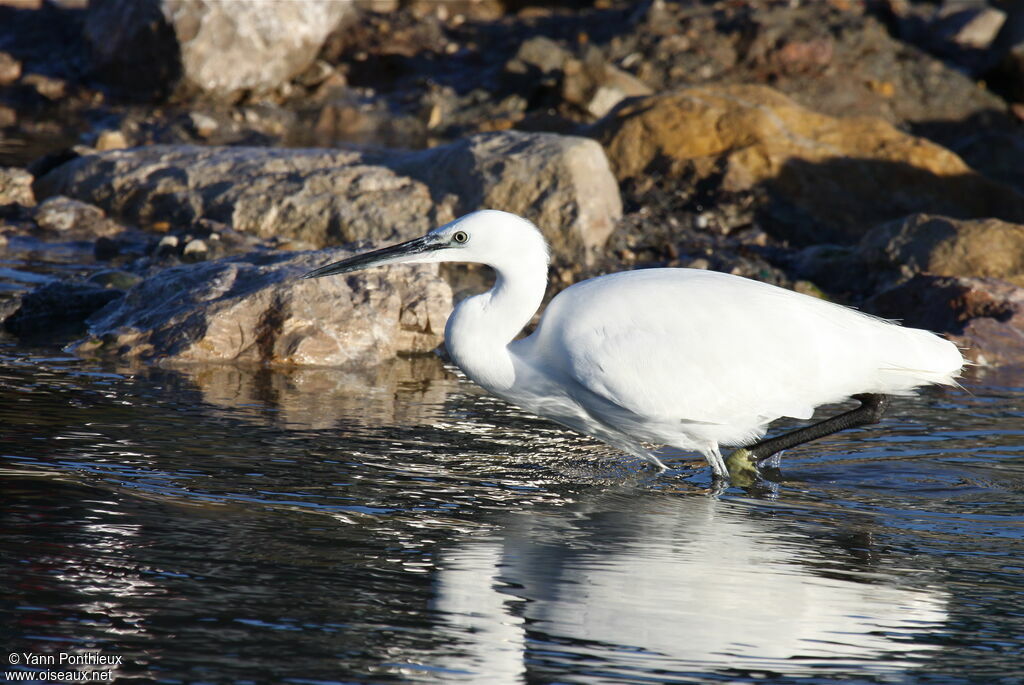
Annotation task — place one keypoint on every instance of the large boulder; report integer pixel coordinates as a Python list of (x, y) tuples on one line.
[(256, 309), (841, 175), (941, 246), (330, 197), (561, 183), (219, 46)]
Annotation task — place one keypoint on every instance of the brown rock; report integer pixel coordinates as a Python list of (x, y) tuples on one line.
[(256, 309), (843, 173), (948, 247), (985, 316)]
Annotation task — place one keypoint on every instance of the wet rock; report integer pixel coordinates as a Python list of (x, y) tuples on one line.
[(16, 187), (58, 309), (219, 47), (942, 246), (255, 309), (832, 176), (114, 278), (983, 315), (73, 220), (329, 197)]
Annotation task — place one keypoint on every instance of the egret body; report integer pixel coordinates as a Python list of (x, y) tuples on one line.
[(683, 357)]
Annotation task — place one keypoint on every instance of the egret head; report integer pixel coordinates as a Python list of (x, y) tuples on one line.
[(489, 236)]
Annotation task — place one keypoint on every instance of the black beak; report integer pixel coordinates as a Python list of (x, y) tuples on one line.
[(395, 254)]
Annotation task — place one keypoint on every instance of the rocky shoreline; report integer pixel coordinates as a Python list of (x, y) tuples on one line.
[(868, 152)]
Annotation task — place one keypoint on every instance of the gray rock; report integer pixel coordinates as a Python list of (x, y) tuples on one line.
[(326, 197), (561, 183), (330, 197), (255, 309), (73, 219), (220, 46)]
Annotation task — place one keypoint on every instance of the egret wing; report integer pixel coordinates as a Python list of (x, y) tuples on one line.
[(692, 346)]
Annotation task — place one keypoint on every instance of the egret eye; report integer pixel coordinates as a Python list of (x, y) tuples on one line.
[(460, 236)]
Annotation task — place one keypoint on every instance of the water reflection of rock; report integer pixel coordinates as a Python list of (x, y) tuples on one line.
[(676, 584), (408, 391)]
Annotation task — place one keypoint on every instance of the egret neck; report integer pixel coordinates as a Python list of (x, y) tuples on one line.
[(481, 327)]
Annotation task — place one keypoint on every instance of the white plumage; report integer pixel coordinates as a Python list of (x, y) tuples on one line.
[(682, 357)]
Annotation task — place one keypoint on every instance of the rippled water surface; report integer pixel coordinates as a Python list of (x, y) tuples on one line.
[(231, 525)]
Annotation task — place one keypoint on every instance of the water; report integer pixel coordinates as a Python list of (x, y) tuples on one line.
[(231, 525)]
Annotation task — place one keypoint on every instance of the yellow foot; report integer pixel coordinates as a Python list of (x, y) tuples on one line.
[(742, 469)]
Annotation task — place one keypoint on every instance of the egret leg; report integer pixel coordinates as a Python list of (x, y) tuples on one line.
[(872, 407), (714, 457), (648, 456)]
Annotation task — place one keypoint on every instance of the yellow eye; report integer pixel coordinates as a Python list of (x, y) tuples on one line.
[(460, 236)]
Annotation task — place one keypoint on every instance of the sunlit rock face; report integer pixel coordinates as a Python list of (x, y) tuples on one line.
[(838, 175), (693, 584), (256, 309), (330, 197)]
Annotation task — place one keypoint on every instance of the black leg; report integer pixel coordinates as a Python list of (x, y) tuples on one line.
[(871, 409)]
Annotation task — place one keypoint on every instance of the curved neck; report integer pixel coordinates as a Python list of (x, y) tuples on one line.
[(481, 327)]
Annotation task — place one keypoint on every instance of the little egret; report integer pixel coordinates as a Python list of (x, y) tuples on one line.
[(682, 357)]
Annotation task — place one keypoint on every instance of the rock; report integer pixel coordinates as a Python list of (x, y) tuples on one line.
[(1010, 45), (597, 86), (561, 183), (49, 87), (219, 46), (114, 278), (996, 154), (329, 197), (73, 220), (590, 83), (985, 316), (195, 251), (941, 246), (255, 309), (10, 69), (323, 196), (16, 187), (837, 175), (58, 309), (111, 140)]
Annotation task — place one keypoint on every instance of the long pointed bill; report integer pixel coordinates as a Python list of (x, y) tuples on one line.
[(395, 254)]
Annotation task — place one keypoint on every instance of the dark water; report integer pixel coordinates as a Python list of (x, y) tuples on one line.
[(223, 525)]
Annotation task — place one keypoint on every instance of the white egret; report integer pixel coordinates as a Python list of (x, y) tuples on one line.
[(682, 357)]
